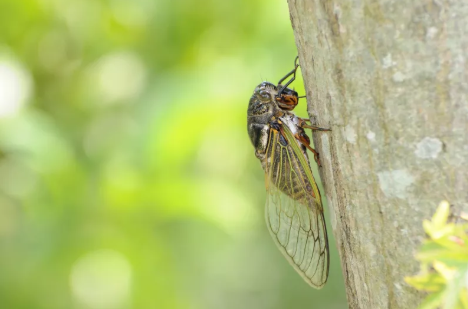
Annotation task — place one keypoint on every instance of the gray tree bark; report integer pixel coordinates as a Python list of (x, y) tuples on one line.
[(391, 80)]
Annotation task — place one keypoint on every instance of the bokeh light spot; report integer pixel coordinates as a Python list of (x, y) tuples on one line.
[(101, 280), (120, 76), (15, 87)]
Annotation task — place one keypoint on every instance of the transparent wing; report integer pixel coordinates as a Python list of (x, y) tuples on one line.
[(294, 212)]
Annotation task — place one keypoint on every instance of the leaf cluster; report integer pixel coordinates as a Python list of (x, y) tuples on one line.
[(444, 262)]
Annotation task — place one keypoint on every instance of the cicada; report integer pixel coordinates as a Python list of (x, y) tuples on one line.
[(293, 211)]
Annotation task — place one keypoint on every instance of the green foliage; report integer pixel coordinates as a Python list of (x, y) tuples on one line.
[(127, 178), (444, 262)]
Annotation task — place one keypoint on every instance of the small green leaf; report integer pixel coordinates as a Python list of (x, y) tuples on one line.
[(444, 263), (433, 301), (464, 298), (441, 215), (443, 255), (428, 227), (447, 272), (430, 282), (454, 287)]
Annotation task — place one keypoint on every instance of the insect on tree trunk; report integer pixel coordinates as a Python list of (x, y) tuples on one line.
[(391, 80)]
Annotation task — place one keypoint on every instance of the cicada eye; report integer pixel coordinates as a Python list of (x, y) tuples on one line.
[(264, 94)]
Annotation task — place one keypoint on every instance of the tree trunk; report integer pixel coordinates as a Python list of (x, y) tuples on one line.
[(390, 79)]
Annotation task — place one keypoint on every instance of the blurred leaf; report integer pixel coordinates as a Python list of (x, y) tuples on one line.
[(123, 128), (455, 286), (430, 282), (432, 301), (434, 250), (464, 298), (447, 251), (439, 219), (446, 272)]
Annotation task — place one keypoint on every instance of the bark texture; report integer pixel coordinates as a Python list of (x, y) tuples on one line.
[(391, 80)]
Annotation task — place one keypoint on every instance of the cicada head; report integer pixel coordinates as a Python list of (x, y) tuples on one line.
[(262, 100)]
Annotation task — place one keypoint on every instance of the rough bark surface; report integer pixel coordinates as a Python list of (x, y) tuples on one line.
[(391, 80)]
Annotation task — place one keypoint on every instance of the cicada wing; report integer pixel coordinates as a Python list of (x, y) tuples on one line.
[(294, 212)]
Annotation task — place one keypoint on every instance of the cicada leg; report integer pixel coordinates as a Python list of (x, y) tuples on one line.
[(293, 71), (293, 78), (314, 128), (302, 124), (304, 140)]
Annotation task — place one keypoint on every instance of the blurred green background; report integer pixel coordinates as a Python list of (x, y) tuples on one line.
[(127, 176)]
